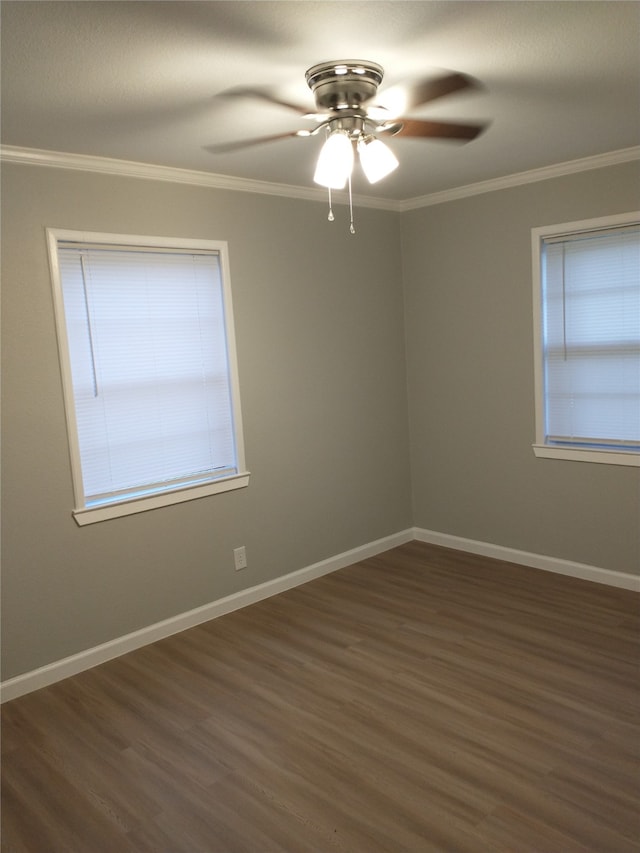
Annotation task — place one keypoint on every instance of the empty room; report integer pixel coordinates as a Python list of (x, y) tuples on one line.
[(320, 426)]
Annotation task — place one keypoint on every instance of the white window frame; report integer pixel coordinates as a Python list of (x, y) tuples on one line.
[(88, 515), (540, 447)]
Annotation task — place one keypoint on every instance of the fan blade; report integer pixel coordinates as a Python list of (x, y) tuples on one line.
[(226, 147), (437, 129), (267, 95), (405, 97)]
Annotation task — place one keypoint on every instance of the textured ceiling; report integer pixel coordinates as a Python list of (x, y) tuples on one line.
[(139, 81)]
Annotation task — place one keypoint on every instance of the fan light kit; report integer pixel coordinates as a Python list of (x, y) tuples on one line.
[(343, 87), (353, 117)]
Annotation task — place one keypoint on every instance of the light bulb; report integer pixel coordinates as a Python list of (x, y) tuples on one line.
[(377, 159), (335, 161)]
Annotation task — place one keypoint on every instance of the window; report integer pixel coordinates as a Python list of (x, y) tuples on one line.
[(587, 337), (146, 340)]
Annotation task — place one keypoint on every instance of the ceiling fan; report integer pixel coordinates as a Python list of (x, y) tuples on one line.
[(353, 116)]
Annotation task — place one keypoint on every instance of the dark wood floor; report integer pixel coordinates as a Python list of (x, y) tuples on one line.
[(421, 700)]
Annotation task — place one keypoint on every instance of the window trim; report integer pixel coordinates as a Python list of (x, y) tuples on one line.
[(540, 448), (82, 513)]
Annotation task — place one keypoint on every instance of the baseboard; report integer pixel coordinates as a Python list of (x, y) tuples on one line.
[(43, 676), (58, 670), (525, 558)]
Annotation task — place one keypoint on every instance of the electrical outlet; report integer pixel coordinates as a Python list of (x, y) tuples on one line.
[(240, 558)]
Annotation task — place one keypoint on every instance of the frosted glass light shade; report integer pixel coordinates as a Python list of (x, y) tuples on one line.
[(377, 159), (335, 162)]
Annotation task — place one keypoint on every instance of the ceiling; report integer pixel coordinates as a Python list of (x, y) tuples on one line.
[(141, 81)]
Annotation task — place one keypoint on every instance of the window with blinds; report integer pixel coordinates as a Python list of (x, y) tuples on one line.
[(146, 339), (588, 339)]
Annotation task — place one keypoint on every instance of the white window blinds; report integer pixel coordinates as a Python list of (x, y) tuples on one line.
[(149, 364), (591, 338)]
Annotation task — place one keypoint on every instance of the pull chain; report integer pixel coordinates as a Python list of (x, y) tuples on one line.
[(330, 217), (351, 227)]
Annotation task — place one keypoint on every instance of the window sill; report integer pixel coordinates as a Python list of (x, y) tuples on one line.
[(574, 454), (92, 515)]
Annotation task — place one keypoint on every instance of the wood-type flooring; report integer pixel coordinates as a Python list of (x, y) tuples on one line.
[(421, 700)]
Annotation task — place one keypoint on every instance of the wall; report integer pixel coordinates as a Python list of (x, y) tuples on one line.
[(321, 349), (468, 294), (319, 324)]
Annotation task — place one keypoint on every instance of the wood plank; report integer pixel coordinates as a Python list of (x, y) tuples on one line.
[(421, 700)]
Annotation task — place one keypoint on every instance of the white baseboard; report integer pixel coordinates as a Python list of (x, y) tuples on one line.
[(56, 671), (525, 558)]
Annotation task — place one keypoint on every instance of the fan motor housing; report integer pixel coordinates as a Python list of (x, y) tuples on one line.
[(344, 84)]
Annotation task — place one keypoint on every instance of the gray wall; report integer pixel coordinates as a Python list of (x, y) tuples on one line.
[(336, 450), (319, 323), (468, 295)]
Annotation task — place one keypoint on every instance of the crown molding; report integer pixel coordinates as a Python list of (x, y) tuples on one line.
[(570, 167), (150, 171)]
